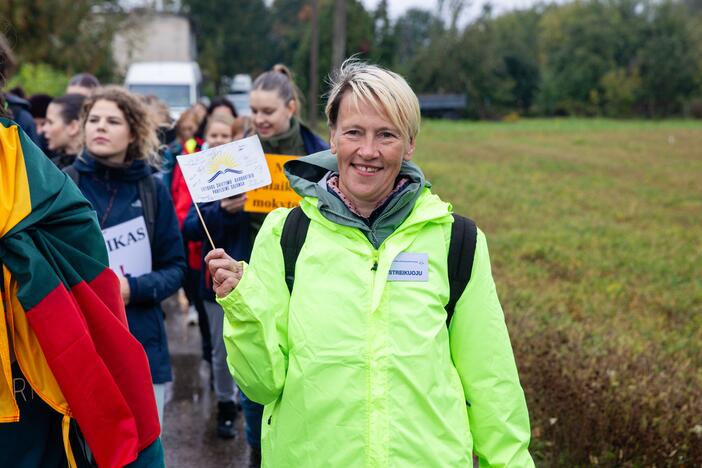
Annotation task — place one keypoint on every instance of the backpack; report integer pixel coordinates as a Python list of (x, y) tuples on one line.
[(147, 194), (461, 252)]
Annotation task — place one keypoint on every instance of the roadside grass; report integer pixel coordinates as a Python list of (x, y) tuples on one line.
[(595, 233)]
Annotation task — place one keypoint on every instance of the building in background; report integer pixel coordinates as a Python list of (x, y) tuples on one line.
[(156, 53), (155, 32)]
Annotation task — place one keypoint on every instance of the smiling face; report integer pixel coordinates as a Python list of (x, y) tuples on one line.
[(218, 133), (369, 150), (270, 114), (107, 133)]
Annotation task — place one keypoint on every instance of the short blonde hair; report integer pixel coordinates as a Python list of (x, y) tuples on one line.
[(386, 91), (221, 119)]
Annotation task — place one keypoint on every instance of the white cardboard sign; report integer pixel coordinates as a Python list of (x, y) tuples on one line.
[(128, 247)]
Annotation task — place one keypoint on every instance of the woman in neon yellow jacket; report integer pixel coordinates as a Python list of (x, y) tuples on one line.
[(356, 367)]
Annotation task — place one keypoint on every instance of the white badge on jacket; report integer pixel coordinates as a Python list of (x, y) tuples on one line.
[(409, 267)]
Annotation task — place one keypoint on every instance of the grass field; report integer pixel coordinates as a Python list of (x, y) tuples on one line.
[(595, 232)]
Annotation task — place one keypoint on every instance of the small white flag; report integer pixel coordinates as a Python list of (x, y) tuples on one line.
[(226, 170)]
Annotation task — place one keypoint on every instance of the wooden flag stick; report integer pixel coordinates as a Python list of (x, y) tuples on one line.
[(204, 225)]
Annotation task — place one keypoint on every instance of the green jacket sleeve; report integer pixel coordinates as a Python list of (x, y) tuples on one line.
[(255, 318), (482, 353)]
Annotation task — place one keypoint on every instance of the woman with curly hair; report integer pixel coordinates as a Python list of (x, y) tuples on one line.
[(114, 172)]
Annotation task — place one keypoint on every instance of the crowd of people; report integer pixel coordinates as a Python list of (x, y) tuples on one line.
[(358, 364)]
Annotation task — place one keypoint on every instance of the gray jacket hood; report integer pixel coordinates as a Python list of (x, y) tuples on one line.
[(308, 177)]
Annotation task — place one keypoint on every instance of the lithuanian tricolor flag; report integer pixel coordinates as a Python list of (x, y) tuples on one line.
[(63, 317)]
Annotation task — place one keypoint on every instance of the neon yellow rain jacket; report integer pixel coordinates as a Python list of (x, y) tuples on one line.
[(358, 371)]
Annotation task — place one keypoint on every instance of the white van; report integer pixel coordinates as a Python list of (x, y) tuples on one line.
[(175, 83), (240, 89)]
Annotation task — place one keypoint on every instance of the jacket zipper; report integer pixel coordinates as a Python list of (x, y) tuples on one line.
[(370, 378)]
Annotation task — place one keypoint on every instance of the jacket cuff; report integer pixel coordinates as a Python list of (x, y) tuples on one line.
[(231, 299), (133, 288)]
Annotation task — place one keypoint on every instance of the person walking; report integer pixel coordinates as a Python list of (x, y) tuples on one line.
[(186, 143), (17, 106), (38, 104), (114, 173), (351, 348), (62, 130), (275, 105), (75, 386), (82, 83), (219, 105), (229, 227)]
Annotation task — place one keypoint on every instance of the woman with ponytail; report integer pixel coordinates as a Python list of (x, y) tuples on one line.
[(275, 111), (275, 104)]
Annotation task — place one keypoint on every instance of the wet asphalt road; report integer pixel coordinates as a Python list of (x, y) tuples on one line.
[(188, 432)]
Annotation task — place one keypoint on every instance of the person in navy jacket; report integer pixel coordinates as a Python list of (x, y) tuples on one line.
[(229, 226), (274, 108), (120, 144)]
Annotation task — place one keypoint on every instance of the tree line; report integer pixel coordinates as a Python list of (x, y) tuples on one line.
[(616, 58)]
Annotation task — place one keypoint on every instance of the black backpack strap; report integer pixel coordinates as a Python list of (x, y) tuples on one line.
[(147, 194), (291, 240), (464, 235), (72, 173)]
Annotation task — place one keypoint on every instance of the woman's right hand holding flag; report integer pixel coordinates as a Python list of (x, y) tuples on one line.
[(224, 270)]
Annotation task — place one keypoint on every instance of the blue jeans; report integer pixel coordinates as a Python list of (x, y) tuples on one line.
[(253, 413)]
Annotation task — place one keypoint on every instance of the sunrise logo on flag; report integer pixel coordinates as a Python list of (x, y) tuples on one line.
[(226, 170), (222, 163)]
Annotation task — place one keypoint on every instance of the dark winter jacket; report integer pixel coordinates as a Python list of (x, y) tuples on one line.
[(114, 194), (284, 144), (62, 160), (313, 142), (21, 115), (230, 232), (235, 233)]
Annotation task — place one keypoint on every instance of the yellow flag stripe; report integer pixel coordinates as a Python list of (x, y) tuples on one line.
[(65, 430), (15, 201), (9, 412)]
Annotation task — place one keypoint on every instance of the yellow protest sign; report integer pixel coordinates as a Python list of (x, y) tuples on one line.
[(278, 193)]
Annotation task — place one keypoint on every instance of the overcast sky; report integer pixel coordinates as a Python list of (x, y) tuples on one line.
[(397, 7)]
